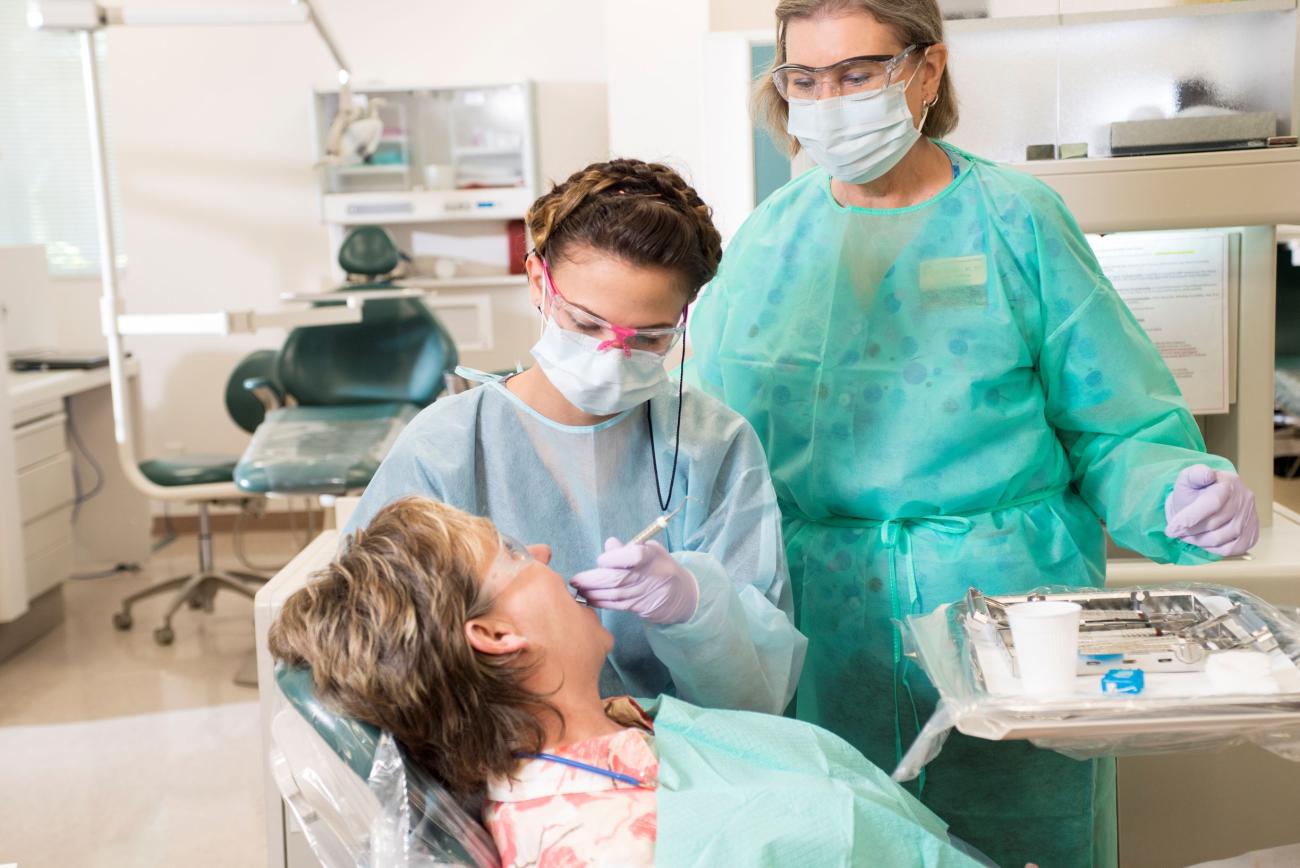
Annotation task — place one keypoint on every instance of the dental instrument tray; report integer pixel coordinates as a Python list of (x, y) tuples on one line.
[(1156, 631), (1172, 634)]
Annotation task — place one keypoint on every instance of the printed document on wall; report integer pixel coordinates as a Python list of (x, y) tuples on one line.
[(1176, 284)]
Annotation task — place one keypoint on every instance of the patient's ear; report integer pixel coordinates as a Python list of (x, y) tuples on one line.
[(494, 636)]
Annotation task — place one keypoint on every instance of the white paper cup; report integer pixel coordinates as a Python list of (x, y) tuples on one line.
[(1046, 636)]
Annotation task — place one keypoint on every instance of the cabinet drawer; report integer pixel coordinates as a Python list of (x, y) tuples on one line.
[(32, 412), (45, 487), (37, 441), (50, 531), (46, 570)]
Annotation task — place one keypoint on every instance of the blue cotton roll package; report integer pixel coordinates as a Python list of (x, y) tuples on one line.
[(1126, 681)]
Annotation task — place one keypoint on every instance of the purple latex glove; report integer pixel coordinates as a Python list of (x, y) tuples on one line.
[(1214, 510), (644, 579)]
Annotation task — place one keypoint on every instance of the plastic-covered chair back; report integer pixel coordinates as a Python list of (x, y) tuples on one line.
[(398, 353), (359, 803)]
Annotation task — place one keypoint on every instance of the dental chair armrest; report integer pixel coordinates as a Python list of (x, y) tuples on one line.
[(266, 391)]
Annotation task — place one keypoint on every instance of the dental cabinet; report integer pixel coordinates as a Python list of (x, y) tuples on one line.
[(453, 174)]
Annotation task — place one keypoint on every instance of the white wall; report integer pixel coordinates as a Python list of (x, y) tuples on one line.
[(656, 80), (213, 149), (742, 15), (672, 95)]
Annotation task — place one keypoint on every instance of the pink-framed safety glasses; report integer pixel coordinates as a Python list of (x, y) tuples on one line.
[(572, 318)]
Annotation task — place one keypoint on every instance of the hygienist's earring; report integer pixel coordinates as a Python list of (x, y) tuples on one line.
[(925, 111)]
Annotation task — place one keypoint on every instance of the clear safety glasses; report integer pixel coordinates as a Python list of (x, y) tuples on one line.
[(512, 559), (570, 317), (853, 76)]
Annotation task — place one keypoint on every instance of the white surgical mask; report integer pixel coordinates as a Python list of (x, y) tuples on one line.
[(857, 138), (599, 382)]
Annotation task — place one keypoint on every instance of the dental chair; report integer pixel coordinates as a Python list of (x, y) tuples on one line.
[(357, 801), (339, 395), (1286, 372), (198, 589)]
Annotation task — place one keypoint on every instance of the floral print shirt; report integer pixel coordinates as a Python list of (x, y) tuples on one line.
[(550, 815)]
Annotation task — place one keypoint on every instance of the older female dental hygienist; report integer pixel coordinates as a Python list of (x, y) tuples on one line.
[(593, 443), (951, 394)]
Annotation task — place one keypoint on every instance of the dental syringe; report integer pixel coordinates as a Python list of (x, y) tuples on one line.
[(654, 528), (650, 531)]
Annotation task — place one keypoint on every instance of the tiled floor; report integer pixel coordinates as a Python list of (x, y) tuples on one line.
[(117, 752)]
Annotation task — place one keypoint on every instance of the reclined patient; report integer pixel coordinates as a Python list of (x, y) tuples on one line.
[(470, 650)]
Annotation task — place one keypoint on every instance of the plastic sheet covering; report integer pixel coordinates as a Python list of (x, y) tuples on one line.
[(394, 818), (1168, 631), (320, 449)]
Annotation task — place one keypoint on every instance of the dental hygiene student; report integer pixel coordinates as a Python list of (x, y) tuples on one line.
[(593, 443), (951, 395)]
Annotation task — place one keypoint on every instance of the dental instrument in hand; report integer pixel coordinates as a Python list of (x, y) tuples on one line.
[(656, 527), (648, 533)]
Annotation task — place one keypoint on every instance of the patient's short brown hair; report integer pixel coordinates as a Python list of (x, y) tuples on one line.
[(383, 631)]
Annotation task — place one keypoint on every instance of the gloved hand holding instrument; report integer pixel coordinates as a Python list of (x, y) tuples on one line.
[(641, 576)]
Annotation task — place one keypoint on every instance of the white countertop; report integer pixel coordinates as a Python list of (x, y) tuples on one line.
[(27, 388), (1271, 571)]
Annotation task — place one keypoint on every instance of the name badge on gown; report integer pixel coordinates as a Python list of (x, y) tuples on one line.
[(958, 281)]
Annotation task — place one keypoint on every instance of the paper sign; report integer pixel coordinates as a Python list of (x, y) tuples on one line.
[(1177, 287)]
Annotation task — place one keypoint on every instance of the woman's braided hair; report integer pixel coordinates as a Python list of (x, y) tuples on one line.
[(643, 213)]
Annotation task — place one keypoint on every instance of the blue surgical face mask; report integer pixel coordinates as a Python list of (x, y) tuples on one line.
[(599, 382), (860, 137)]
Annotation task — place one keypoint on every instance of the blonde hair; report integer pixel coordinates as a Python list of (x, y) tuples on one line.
[(644, 213), (383, 631), (914, 22)]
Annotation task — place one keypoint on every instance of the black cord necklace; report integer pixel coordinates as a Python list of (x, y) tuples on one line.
[(677, 448)]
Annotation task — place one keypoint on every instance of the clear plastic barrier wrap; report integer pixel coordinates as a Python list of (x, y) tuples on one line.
[(392, 817), (320, 449), (1178, 635)]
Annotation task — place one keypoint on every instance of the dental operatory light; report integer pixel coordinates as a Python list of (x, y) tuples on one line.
[(356, 132)]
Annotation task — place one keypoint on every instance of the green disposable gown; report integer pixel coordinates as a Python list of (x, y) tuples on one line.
[(950, 395)]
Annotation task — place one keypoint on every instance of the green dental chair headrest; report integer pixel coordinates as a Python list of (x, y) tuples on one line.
[(369, 251), (352, 740)]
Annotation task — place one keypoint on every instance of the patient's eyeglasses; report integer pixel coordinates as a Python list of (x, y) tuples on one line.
[(512, 558)]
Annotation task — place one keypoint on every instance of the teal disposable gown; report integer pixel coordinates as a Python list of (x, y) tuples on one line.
[(489, 454), (762, 791), (950, 395)]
